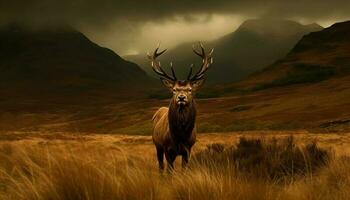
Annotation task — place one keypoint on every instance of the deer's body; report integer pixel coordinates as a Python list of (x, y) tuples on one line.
[(174, 131)]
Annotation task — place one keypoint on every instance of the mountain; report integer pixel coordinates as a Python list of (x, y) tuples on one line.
[(60, 61), (258, 43), (317, 56), (253, 46)]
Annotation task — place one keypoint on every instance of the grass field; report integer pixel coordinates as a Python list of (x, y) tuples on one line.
[(74, 166)]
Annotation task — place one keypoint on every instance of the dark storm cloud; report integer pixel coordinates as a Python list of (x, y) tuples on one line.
[(134, 25), (102, 12)]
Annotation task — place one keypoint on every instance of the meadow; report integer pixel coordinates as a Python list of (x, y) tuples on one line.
[(232, 165), (101, 148)]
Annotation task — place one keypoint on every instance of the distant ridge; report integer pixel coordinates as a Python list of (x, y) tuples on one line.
[(316, 57), (256, 44), (60, 61)]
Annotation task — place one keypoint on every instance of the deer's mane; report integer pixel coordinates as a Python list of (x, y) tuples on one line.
[(182, 120)]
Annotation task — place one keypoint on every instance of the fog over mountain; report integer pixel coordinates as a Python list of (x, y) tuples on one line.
[(254, 45)]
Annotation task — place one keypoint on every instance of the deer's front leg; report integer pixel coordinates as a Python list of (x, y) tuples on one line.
[(185, 157), (160, 155), (170, 156)]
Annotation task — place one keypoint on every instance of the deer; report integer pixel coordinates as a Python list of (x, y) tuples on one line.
[(174, 127)]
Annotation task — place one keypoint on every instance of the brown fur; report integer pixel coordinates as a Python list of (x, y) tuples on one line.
[(174, 132)]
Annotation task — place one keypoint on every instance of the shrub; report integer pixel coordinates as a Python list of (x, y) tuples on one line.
[(257, 158)]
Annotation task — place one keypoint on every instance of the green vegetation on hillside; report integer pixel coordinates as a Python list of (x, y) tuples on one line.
[(301, 73)]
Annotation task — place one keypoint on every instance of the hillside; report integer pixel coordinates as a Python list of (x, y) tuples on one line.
[(316, 107), (254, 45), (61, 61), (254, 104), (316, 57)]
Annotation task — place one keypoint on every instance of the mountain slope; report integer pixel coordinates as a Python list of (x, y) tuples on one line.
[(254, 45), (316, 57), (258, 43), (61, 60)]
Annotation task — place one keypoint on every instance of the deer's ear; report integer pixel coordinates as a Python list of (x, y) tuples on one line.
[(197, 83), (169, 84)]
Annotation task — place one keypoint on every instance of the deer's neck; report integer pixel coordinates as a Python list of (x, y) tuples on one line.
[(182, 120)]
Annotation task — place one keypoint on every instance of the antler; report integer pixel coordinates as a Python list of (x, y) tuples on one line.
[(207, 61), (157, 68)]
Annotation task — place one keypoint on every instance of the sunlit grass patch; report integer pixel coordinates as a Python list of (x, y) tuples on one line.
[(252, 169)]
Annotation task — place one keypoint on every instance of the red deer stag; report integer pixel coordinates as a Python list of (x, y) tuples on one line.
[(174, 131)]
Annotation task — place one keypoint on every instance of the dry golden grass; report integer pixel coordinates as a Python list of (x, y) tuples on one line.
[(124, 167)]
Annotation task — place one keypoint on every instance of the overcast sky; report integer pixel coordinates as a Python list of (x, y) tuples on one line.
[(133, 26)]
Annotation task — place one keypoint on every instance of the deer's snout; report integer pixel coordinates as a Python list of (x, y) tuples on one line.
[(181, 97)]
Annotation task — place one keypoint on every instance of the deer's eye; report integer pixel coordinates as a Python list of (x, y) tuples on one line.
[(174, 90)]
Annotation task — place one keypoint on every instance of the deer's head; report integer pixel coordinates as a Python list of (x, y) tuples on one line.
[(182, 90)]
